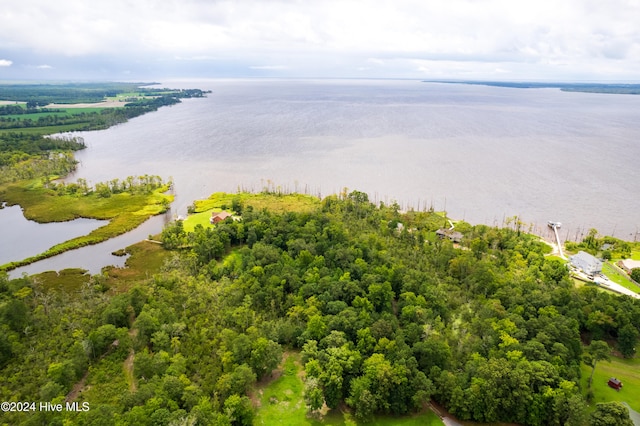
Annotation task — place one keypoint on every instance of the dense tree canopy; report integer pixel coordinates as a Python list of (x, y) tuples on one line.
[(386, 318)]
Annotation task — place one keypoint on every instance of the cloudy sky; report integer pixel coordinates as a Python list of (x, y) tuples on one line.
[(566, 40)]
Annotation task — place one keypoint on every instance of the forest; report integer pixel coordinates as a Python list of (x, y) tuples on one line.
[(384, 315)]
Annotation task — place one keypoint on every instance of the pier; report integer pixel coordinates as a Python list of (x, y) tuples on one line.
[(555, 226)]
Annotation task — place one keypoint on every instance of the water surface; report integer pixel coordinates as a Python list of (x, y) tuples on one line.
[(22, 238)]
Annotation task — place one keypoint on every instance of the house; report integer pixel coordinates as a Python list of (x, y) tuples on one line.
[(628, 265), (454, 236), (217, 217), (587, 263), (614, 383)]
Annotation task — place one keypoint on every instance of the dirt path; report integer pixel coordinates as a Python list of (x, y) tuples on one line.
[(77, 388), (128, 363), (128, 371)]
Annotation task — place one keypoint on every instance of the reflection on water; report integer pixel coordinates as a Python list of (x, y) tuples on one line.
[(22, 238)]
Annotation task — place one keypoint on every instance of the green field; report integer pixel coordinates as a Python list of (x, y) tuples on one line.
[(281, 402), (626, 370)]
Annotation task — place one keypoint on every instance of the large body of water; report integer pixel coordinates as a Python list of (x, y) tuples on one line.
[(482, 153)]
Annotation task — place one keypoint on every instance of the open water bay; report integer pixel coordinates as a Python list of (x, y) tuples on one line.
[(482, 153)]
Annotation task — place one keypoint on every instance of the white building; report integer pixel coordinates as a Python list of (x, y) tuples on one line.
[(628, 265), (588, 264)]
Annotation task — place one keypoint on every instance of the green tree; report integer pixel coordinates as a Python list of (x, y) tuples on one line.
[(598, 350), (627, 340), (635, 274), (239, 410), (265, 356), (610, 414), (313, 396)]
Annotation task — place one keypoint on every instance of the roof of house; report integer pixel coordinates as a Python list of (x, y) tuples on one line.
[(221, 215), (584, 256), (630, 264), (454, 236)]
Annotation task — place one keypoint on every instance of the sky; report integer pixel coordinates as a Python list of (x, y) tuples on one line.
[(142, 40)]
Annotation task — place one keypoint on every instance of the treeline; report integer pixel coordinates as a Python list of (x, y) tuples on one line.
[(33, 156), (19, 110), (12, 143), (65, 93), (145, 184), (386, 318)]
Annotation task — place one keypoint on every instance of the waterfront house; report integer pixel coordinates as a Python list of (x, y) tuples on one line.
[(454, 236), (587, 263), (217, 217)]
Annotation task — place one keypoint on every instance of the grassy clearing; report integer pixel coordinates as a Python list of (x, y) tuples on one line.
[(555, 257), (626, 370), (201, 218), (124, 211), (281, 402), (222, 201), (271, 201)]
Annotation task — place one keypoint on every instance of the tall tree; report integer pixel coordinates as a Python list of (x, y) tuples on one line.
[(598, 350)]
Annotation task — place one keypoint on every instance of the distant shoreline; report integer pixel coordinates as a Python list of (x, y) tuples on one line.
[(606, 88)]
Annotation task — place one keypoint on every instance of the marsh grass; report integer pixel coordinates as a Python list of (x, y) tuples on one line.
[(124, 211)]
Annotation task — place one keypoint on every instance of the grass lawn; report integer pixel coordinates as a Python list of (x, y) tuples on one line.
[(626, 370), (201, 218), (555, 257), (618, 277), (281, 402)]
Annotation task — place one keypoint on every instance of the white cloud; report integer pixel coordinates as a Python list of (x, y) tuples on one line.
[(5, 63), (269, 67), (44, 67), (343, 34)]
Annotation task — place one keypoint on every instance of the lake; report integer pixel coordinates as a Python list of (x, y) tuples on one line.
[(481, 153)]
